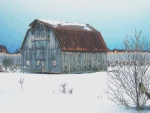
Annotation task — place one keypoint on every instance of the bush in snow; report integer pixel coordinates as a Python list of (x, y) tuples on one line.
[(71, 91), (64, 88), (7, 62), (124, 78)]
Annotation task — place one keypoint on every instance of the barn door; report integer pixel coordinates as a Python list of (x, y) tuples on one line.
[(40, 45)]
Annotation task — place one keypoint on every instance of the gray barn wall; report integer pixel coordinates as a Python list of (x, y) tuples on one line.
[(49, 54), (54, 54), (24, 53), (83, 62)]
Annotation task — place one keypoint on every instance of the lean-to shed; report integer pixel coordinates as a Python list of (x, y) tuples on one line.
[(62, 47)]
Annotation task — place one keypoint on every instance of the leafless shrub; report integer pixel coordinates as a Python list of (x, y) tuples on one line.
[(21, 82), (71, 91), (124, 78), (64, 89)]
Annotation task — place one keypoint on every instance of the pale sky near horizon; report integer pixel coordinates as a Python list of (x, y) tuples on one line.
[(113, 18)]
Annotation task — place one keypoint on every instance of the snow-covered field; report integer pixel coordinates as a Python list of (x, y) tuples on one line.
[(41, 94)]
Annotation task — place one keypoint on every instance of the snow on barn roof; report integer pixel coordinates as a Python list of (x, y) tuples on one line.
[(58, 23), (65, 25)]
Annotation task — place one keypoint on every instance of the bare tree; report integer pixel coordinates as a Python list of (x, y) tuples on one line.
[(124, 78), (21, 82)]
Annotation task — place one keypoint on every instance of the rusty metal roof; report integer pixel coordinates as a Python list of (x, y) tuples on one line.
[(70, 40), (77, 37)]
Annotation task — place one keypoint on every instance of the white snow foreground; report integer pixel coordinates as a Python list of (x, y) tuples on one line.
[(41, 94)]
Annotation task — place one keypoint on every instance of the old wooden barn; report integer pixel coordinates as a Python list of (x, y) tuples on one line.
[(62, 47)]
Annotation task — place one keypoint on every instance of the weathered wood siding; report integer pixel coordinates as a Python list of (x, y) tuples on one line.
[(38, 59), (24, 53), (83, 62)]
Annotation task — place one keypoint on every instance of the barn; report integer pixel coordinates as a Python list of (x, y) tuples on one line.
[(62, 47)]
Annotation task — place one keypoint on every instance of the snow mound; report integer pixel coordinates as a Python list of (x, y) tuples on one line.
[(41, 94)]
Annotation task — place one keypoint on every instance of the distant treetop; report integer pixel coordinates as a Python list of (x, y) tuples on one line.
[(3, 49)]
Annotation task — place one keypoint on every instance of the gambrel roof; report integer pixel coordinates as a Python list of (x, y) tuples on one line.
[(75, 36)]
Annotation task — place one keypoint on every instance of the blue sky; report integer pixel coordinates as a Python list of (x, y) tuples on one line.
[(113, 18)]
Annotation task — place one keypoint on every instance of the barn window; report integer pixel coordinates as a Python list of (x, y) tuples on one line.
[(43, 63), (54, 62), (38, 54), (28, 62), (40, 29), (77, 63), (48, 37), (99, 63), (37, 63), (40, 35), (65, 64)]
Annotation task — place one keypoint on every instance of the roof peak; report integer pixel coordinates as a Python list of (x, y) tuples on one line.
[(63, 24)]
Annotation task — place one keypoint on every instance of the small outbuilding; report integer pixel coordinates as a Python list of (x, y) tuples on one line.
[(62, 47)]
